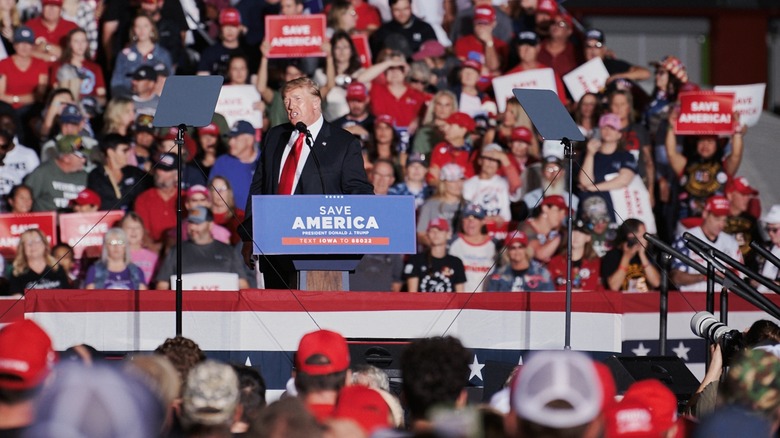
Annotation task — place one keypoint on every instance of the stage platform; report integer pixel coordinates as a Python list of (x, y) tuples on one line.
[(262, 327)]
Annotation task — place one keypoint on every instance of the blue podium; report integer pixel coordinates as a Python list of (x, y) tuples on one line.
[(327, 235)]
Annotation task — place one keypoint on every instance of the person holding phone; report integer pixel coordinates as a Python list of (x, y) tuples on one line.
[(628, 266)]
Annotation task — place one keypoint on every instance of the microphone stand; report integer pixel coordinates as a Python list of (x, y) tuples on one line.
[(720, 255), (666, 262), (179, 306), (738, 285), (569, 154), (771, 258), (301, 127), (752, 297)]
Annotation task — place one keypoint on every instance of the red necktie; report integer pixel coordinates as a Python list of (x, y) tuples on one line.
[(288, 171)]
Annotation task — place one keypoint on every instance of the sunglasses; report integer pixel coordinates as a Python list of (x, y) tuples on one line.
[(595, 45)]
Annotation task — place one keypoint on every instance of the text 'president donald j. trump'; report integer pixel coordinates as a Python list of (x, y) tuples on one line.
[(307, 156)]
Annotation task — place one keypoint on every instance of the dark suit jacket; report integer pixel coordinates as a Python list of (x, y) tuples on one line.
[(341, 163)]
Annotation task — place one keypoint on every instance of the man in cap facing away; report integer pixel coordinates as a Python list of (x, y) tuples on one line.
[(26, 358), (556, 394), (210, 401), (321, 370)]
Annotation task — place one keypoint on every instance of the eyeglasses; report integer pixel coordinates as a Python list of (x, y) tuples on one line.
[(772, 229), (32, 242), (595, 45), (552, 169), (562, 24), (115, 242)]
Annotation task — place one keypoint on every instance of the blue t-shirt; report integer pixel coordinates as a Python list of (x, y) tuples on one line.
[(604, 165), (239, 174)]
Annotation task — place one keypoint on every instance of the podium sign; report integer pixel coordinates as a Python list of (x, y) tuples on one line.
[(333, 224)]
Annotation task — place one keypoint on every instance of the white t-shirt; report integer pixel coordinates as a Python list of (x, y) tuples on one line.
[(724, 243), (19, 162), (490, 194), (478, 261), (769, 270)]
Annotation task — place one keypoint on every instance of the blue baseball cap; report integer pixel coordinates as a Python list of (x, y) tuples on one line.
[(241, 127), (474, 210), (71, 114), (24, 34)]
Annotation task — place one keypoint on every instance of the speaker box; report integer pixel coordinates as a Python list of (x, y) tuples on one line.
[(384, 354), (670, 370)]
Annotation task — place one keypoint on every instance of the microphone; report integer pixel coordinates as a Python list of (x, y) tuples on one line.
[(301, 127)]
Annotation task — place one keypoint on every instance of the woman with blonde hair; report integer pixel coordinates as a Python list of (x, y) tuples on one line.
[(114, 270), (34, 267), (137, 238), (119, 116), (443, 105)]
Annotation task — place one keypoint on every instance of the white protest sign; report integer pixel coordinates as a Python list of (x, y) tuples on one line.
[(633, 201), (587, 78), (237, 102), (208, 281), (748, 101), (535, 79)]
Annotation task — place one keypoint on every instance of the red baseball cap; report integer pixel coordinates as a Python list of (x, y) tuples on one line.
[(521, 133), (210, 129), (86, 197), (440, 223), (472, 63), (659, 399), (556, 201), (629, 419), (26, 355), (608, 387), (198, 189), (363, 405), (461, 119), (516, 237), (484, 14), (229, 17), (740, 184), (718, 205), (357, 91), (548, 7), (52, 2), (322, 352), (386, 119)]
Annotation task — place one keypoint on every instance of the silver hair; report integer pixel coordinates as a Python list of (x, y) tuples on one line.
[(114, 233)]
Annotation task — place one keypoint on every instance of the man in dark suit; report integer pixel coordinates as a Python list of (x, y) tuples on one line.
[(286, 166)]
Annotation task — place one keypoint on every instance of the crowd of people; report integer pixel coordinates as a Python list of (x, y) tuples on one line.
[(79, 86), (177, 391)]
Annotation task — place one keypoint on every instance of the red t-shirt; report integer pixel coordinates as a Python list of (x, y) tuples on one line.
[(471, 43), (585, 277), (54, 36), (367, 15), (404, 109), (445, 153), (563, 63), (18, 82), (158, 214), (93, 77)]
